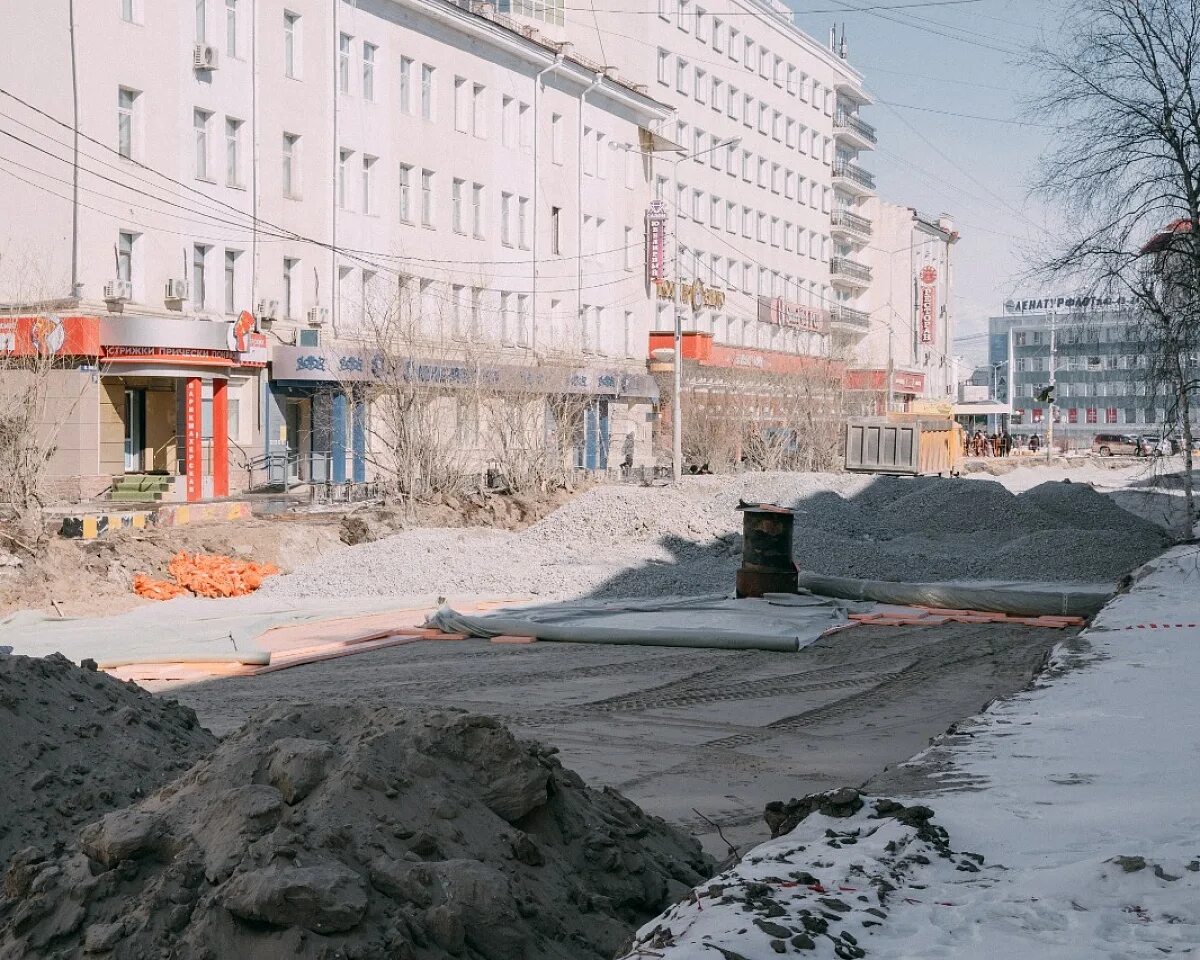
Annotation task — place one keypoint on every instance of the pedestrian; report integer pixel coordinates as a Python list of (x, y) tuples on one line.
[(1005, 443), (1034, 443)]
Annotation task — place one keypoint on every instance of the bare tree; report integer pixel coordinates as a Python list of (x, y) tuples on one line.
[(1123, 91)]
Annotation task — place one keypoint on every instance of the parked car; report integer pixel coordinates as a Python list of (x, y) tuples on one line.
[(1116, 444), (1156, 446)]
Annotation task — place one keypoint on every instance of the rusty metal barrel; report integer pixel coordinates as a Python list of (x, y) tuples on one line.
[(767, 564)]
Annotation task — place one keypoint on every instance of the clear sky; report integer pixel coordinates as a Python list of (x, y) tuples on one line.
[(961, 57)]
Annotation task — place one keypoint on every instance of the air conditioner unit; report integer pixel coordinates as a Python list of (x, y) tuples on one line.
[(267, 310), (118, 291), (318, 316), (176, 290), (205, 57)]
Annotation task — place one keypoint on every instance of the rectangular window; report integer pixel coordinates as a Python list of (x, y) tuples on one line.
[(506, 203), (701, 91), (127, 11), (731, 217), (342, 187), (368, 71), (748, 110), (125, 256), (405, 189), (589, 157), (291, 269), (231, 29), (461, 107), (344, 44), (682, 76), (291, 165), (406, 85), (508, 121), (126, 102), (629, 254), (427, 198), (200, 120), (231, 259), (718, 35), (457, 221), (701, 25), (291, 44), (479, 111), (735, 45), (555, 229), (556, 138), (201, 21), (233, 152), (750, 59), (368, 184), (199, 293), (685, 16), (426, 92), (664, 67), (523, 223)]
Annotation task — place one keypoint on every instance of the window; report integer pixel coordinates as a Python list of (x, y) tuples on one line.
[(477, 210), (747, 222), (344, 42), (748, 110), (458, 306), (793, 87), (368, 184), (508, 121), (717, 97), (718, 35), (777, 71), (698, 206), (125, 256), (368, 71), (476, 311), (698, 140), (127, 11), (734, 44), (523, 223), (506, 203), (233, 152), (343, 159), (760, 233), (231, 28), (291, 44), (231, 259), (291, 268), (762, 172), (735, 104), (764, 118), (427, 198), (479, 111), (200, 120), (682, 75), (628, 251), (556, 138), (291, 165), (664, 67), (426, 92), (406, 85), (776, 125), (663, 11), (714, 211), (747, 166), (731, 216), (406, 192), (789, 184), (685, 16), (126, 102), (555, 229), (456, 206), (751, 56), (787, 236), (701, 25), (201, 21), (589, 156), (199, 293), (629, 334), (461, 117), (701, 91)]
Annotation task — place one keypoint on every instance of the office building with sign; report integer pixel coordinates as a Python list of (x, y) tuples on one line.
[(1088, 348), (256, 183)]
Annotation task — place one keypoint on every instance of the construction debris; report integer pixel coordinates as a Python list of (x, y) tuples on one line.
[(356, 831), (205, 575), (78, 744)]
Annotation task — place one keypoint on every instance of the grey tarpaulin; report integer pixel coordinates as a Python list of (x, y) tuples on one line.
[(999, 596), (780, 622)]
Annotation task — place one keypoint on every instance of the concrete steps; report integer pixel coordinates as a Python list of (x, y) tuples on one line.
[(141, 488)]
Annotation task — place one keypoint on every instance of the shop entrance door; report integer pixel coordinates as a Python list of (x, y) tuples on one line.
[(135, 430)]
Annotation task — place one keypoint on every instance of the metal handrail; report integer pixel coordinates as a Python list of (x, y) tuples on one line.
[(852, 221), (840, 313), (850, 268), (850, 121), (852, 171)]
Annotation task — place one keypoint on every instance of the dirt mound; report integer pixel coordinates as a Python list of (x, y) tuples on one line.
[(355, 831), (78, 744)]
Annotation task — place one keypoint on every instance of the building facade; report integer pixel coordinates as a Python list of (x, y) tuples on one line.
[(906, 354), (1088, 349), (262, 190)]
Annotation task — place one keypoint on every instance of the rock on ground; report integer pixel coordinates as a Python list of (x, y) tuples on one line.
[(77, 744), (356, 832)]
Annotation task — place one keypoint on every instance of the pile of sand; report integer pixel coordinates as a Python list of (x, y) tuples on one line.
[(77, 744), (356, 832)]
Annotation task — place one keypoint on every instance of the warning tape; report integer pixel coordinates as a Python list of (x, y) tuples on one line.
[(1162, 626)]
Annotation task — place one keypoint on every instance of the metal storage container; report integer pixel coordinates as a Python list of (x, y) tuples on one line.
[(908, 447)]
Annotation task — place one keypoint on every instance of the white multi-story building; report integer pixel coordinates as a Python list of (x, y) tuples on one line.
[(289, 165), (765, 184), (908, 350)]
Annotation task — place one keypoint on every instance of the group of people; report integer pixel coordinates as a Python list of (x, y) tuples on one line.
[(979, 444)]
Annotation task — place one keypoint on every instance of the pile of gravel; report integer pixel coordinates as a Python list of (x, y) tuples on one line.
[(357, 832), (78, 744), (625, 541)]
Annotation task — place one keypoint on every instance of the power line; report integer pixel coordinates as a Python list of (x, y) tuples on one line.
[(967, 116), (784, 17)]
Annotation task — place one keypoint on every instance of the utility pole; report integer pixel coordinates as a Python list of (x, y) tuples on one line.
[(1051, 406)]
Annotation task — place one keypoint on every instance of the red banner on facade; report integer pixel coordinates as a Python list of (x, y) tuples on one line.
[(193, 446), (785, 313), (656, 241), (927, 303), (50, 335)]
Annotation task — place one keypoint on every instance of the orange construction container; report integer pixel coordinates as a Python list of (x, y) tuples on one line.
[(907, 445)]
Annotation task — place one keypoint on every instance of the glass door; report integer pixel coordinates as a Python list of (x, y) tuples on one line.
[(135, 430)]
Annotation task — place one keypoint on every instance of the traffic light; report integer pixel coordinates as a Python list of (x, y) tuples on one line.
[(1046, 394)]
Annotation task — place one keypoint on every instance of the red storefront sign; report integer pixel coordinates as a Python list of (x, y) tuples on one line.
[(927, 303), (193, 447), (785, 313), (656, 241), (50, 335), (903, 381)]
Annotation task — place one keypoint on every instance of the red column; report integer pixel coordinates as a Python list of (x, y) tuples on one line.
[(193, 448), (220, 438)]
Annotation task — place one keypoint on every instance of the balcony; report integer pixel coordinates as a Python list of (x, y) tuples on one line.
[(854, 130), (848, 320), (851, 225), (853, 178), (849, 273)]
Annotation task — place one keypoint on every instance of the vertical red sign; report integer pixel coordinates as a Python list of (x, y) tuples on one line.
[(656, 241), (193, 446), (927, 303)]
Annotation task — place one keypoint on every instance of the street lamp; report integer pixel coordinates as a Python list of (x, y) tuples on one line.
[(677, 414)]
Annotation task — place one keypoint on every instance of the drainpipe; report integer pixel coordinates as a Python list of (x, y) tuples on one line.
[(599, 79), (537, 126), (76, 290), (335, 298)]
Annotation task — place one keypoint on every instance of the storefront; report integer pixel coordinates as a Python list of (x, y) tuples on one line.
[(869, 390)]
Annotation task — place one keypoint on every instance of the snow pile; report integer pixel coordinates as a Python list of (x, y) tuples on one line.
[(364, 832), (1078, 796), (626, 541), (77, 744)]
